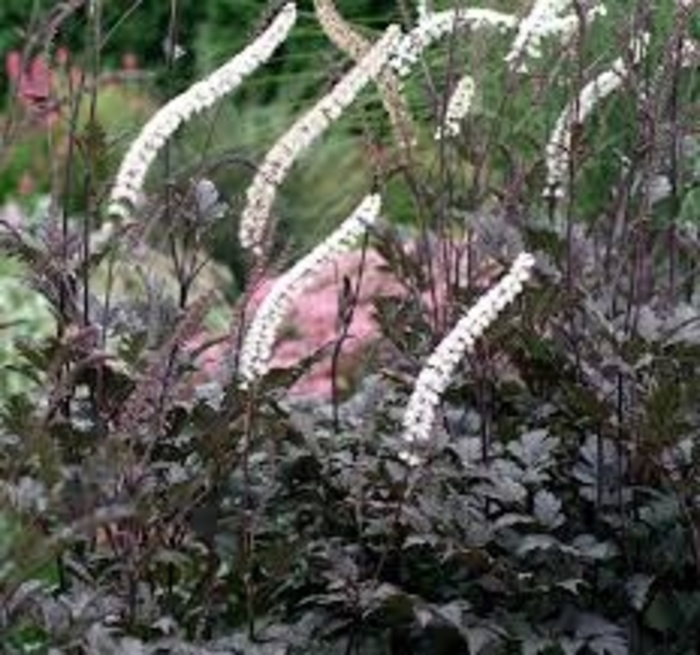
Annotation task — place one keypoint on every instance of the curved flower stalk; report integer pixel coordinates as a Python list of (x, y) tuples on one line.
[(278, 161), (259, 341), (435, 376), (457, 108), (559, 145), (202, 95), (436, 25), (547, 18), (352, 43)]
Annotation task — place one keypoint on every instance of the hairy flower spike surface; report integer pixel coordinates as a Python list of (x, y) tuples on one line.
[(279, 160), (200, 96), (260, 337), (439, 369), (457, 108)]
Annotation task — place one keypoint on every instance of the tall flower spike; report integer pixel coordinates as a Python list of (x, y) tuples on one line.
[(558, 150), (202, 95), (437, 25), (259, 341), (435, 376), (279, 160)]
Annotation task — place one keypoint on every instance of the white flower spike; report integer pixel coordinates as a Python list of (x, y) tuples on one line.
[(202, 95), (279, 160), (547, 18), (558, 150), (435, 376)]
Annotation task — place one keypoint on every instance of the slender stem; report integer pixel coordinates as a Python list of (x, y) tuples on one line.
[(346, 313), (247, 549)]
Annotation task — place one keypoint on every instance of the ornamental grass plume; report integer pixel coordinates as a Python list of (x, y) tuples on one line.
[(259, 340), (279, 160), (202, 95), (435, 376), (558, 150)]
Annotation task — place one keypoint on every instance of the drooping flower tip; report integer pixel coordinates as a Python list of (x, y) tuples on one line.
[(200, 96)]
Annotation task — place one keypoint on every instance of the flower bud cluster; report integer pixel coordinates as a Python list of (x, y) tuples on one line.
[(457, 108), (440, 367), (558, 148), (279, 160), (547, 18), (434, 26), (259, 341), (200, 96)]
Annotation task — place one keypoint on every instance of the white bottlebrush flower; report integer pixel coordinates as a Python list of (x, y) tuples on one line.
[(546, 19), (439, 24), (457, 108), (559, 145), (259, 341), (202, 95), (262, 191), (435, 376)]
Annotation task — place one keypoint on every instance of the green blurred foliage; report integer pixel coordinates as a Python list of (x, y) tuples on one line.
[(38, 154), (210, 32), (26, 314)]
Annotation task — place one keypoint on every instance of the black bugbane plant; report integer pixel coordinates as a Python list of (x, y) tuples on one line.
[(151, 505)]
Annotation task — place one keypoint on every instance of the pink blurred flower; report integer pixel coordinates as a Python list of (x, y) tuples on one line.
[(33, 84), (26, 184), (129, 61), (314, 324)]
